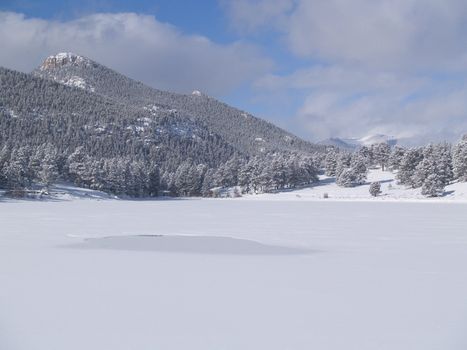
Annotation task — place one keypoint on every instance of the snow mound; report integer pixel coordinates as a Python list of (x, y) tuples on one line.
[(187, 244), (196, 93)]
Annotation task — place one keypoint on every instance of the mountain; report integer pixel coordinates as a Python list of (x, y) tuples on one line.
[(243, 132), (354, 143), (76, 120), (35, 111), (337, 142), (377, 138)]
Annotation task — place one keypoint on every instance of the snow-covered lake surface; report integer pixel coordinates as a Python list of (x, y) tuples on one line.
[(232, 274)]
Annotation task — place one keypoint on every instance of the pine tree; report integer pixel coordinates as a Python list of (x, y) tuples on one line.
[(343, 162), (381, 152), (459, 158), (359, 167), (76, 165), (187, 180), (437, 161), (48, 171), (433, 186), (347, 178), (367, 155), (331, 162), (395, 159), (426, 167), (444, 163), (16, 170), (375, 188), (208, 183), (4, 157), (409, 163)]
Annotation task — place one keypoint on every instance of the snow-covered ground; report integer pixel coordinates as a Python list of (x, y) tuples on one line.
[(391, 191), (232, 274)]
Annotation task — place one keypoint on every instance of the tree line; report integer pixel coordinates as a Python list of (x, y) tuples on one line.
[(430, 168), (25, 168)]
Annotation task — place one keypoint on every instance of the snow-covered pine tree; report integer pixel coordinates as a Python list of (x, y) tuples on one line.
[(367, 155), (48, 171), (75, 165), (459, 159), (16, 170), (444, 164), (245, 176), (330, 162), (426, 167), (375, 188), (433, 186), (359, 167), (266, 181), (4, 157), (395, 159), (309, 165), (347, 178), (279, 172), (408, 165), (229, 172), (381, 153), (187, 180), (343, 162), (436, 160), (208, 183)]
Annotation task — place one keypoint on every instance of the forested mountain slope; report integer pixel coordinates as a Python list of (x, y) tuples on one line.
[(75, 120), (247, 134), (34, 111)]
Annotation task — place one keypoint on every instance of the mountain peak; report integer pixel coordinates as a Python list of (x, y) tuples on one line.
[(62, 59)]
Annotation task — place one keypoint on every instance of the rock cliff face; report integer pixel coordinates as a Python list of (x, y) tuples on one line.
[(54, 66), (63, 59)]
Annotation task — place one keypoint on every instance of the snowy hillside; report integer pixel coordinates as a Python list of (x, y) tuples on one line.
[(391, 191)]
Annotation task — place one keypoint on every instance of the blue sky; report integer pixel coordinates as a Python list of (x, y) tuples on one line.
[(204, 17), (319, 68)]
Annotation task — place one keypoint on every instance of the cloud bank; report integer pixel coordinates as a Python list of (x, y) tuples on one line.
[(136, 45), (374, 66)]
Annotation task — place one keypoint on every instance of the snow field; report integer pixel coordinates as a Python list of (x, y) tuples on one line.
[(376, 275)]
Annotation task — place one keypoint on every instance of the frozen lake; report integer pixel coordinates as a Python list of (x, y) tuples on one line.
[(232, 274)]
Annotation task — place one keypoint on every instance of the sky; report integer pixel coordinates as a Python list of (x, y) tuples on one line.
[(318, 68)]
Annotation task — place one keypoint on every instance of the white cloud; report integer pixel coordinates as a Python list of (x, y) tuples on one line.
[(394, 34), (440, 116), (136, 45), (345, 102), (386, 66), (251, 15)]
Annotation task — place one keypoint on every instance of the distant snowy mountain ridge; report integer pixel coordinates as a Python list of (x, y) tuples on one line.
[(354, 143)]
